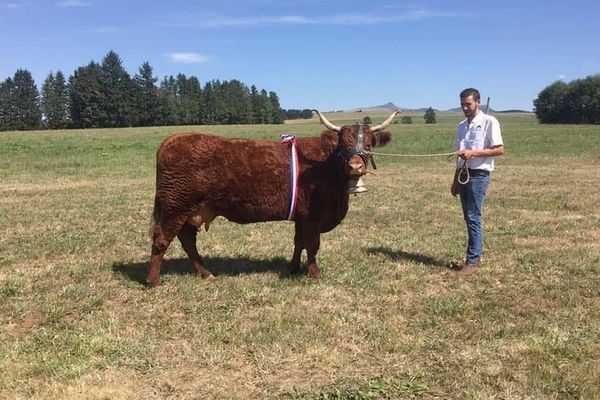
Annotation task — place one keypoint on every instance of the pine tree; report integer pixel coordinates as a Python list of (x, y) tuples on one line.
[(118, 92), (208, 103), (61, 90), (55, 101), (188, 95), (86, 97), (429, 116), (169, 114), (26, 100), (256, 106), (265, 109), (48, 102), (216, 108), (148, 102), (236, 96), (7, 106), (277, 112)]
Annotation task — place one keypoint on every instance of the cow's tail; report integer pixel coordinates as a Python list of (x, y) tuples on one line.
[(154, 218)]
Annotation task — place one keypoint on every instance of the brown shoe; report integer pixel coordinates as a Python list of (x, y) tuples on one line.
[(469, 269)]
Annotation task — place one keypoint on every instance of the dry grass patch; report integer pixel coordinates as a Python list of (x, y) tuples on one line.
[(388, 319)]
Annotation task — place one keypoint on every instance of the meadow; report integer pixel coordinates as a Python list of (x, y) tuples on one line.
[(387, 320)]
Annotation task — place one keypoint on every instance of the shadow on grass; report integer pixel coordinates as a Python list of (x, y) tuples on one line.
[(399, 255), (219, 266)]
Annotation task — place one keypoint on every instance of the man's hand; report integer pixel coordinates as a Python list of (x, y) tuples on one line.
[(467, 154)]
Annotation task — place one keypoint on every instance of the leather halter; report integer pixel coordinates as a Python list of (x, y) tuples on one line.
[(358, 149)]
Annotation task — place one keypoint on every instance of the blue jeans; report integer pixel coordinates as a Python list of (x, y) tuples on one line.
[(471, 197)]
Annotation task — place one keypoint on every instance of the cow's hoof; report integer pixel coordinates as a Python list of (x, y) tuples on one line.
[(313, 272), (206, 275), (152, 284)]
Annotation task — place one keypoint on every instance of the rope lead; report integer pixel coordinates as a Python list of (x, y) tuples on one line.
[(464, 175)]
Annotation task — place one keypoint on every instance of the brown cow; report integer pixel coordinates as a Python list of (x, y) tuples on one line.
[(201, 176)]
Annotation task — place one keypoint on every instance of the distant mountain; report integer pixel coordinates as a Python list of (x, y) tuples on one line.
[(390, 107), (455, 109), (458, 109), (383, 107), (513, 111)]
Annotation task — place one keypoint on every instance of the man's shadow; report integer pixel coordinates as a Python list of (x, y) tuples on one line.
[(399, 255), (219, 266)]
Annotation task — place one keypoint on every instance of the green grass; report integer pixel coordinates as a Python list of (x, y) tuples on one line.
[(387, 319)]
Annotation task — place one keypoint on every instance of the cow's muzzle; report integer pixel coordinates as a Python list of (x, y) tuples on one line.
[(354, 162), (355, 159)]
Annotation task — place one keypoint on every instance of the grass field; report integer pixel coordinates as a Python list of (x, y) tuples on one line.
[(387, 320)]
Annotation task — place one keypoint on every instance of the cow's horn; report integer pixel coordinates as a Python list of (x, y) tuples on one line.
[(385, 123), (328, 124)]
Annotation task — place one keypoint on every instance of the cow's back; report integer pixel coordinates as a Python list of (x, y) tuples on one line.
[(243, 180)]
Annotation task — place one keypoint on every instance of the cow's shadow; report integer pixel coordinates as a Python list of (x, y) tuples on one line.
[(400, 255), (219, 266)]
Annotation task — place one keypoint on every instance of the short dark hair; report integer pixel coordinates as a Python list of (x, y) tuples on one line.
[(470, 92)]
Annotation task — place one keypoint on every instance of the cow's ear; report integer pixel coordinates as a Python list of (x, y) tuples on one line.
[(329, 140), (381, 139)]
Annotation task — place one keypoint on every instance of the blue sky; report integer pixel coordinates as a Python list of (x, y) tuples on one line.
[(316, 53)]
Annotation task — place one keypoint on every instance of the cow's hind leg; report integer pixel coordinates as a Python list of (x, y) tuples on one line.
[(312, 241), (187, 237), (298, 247)]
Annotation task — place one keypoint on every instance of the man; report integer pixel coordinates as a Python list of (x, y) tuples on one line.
[(479, 140)]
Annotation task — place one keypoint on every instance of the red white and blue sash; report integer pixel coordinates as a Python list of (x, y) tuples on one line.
[(294, 171)]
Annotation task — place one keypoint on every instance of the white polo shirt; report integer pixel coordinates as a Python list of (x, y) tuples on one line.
[(482, 133)]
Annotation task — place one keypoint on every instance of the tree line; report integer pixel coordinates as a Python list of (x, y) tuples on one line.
[(103, 95), (298, 114), (576, 102)]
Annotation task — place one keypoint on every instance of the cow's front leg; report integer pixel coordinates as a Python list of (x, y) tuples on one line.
[(160, 244), (298, 247), (312, 240), (187, 237), (163, 235)]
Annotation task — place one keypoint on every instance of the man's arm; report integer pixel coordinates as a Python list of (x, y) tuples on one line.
[(489, 152)]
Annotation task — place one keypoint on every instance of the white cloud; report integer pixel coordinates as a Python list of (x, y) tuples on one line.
[(187, 58), (197, 21), (562, 77), (72, 3), (221, 22), (413, 15), (105, 29), (12, 5)]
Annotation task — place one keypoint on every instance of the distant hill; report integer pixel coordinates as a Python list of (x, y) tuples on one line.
[(389, 107), (514, 111), (383, 107), (458, 109)]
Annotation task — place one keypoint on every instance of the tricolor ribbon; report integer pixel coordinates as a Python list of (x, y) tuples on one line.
[(294, 170)]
